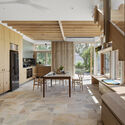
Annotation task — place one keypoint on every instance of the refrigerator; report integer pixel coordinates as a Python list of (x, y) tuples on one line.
[(14, 70)]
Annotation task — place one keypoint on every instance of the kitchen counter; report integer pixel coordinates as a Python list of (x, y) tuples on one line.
[(23, 77)]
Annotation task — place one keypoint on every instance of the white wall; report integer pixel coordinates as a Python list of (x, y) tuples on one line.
[(55, 10), (116, 3)]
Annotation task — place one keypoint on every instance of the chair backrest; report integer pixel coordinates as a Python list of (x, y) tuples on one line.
[(80, 77)]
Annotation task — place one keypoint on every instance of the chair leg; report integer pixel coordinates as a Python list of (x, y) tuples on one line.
[(41, 87), (46, 86), (63, 82), (33, 85), (38, 81), (72, 83), (82, 87), (74, 86), (66, 82)]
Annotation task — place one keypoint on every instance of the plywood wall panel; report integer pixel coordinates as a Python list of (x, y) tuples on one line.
[(63, 54)]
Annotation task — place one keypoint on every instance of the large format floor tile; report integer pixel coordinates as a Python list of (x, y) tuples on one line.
[(27, 107)]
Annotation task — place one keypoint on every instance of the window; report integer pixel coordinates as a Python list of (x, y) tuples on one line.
[(43, 54), (107, 61), (118, 77), (43, 47), (44, 58), (98, 63)]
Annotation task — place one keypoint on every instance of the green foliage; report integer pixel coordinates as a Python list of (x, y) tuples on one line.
[(79, 48), (44, 58), (84, 51), (61, 67), (86, 57), (79, 65), (43, 47)]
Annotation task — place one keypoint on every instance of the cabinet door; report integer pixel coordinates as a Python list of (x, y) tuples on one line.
[(7, 55), (6, 34), (1, 48), (16, 38), (1, 82), (6, 81), (12, 37)]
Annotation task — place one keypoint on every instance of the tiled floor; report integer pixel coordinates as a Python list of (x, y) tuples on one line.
[(27, 107)]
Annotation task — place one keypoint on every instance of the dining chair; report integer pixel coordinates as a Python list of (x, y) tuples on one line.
[(37, 80), (78, 81)]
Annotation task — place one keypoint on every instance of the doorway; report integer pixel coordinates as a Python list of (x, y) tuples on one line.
[(83, 58)]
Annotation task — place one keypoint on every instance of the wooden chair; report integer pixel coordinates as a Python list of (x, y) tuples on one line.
[(78, 81), (38, 81)]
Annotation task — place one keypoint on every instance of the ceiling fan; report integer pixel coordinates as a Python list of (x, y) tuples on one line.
[(25, 2)]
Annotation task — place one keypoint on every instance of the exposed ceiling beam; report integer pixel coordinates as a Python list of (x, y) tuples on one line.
[(56, 30), (61, 29)]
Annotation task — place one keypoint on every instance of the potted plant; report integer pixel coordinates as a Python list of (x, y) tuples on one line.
[(61, 68)]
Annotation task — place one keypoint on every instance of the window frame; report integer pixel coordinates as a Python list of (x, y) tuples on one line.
[(46, 56)]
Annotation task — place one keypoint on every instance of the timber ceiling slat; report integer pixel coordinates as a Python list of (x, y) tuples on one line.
[(50, 30), (30, 22)]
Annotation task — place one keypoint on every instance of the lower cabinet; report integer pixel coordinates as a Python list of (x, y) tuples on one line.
[(107, 116), (4, 82), (1, 82), (103, 89)]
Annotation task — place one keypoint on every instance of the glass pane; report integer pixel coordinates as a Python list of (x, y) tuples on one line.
[(48, 58), (43, 47), (98, 64), (119, 70), (118, 13), (82, 58), (41, 58), (107, 59)]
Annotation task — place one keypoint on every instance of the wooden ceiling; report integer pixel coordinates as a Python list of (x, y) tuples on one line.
[(55, 30)]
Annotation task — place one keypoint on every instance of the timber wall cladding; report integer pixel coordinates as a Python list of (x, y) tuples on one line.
[(63, 54), (8, 36), (43, 70)]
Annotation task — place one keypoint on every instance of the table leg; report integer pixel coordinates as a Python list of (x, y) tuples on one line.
[(69, 87), (51, 83), (43, 88)]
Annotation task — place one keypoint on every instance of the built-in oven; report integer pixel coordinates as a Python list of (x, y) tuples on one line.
[(29, 73)]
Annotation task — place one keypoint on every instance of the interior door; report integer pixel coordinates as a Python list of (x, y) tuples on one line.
[(1, 82)]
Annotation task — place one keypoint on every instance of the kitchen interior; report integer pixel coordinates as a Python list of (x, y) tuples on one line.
[(18, 66), (30, 65)]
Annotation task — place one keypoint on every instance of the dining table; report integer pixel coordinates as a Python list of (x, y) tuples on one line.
[(54, 76)]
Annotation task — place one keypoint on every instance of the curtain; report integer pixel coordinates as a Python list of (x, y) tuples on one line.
[(63, 54)]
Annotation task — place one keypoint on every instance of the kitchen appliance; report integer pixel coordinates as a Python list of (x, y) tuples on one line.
[(14, 70), (29, 73), (28, 62)]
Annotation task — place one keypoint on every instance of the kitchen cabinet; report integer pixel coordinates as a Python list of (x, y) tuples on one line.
[(8, 36), (4, 59), (1, 83), (1, 48), (6, 81)]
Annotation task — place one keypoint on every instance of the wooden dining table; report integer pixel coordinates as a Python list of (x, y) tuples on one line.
[(53, 76)]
